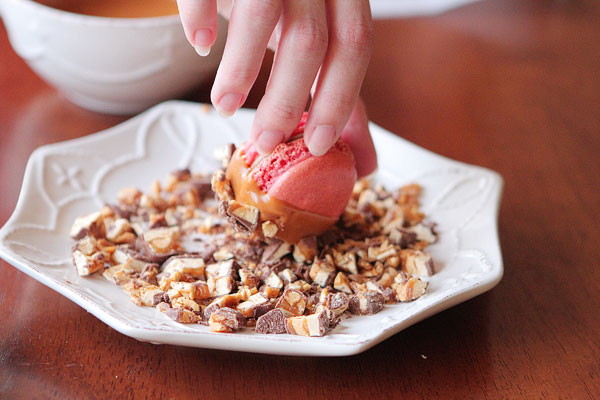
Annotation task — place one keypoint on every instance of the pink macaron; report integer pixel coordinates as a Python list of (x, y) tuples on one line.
[(320, 186)]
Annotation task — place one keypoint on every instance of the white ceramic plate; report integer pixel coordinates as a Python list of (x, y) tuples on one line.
[(65, 180)]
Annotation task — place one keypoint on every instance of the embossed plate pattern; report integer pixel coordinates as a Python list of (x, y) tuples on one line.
[(68, 179)]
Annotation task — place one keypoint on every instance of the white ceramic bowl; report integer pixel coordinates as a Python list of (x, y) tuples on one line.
[(111, 65)]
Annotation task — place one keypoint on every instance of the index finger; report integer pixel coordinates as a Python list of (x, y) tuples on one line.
[(200, 24)]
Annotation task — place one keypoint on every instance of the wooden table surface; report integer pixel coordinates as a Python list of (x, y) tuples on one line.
[(510, 85)]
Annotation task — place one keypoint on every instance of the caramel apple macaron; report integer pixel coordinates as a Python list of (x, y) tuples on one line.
[(288, 194)]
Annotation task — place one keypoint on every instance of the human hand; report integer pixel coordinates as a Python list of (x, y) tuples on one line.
[(328, 39)]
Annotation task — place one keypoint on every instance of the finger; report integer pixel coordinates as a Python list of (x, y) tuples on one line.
[(199, 19), (224, 8), (357, 136), (300, 52), (250, 26), (342, 73)]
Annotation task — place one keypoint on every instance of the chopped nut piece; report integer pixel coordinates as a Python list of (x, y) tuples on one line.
[(271, 292), (126, 237), (182, 315), (374, 272), (166, 280), (149, 273), (403, 237), (162, 306), (300, 285), (274, 281), (387, 278), (287, 275), (244, 293), (107, 212), (141, 293), (392, 262), (408, 194), (273, 322), (157, 220), (155, 188), (337, 302), (381, 252), (129, 196), (333, 318), (228, 300), (244, 216), (222, 268), (269, 229), (416, 262), (192, 266), (424, 233), (342, 283), (367, 197), (223, 254), (211, 308), (146, 201), (162, 240), (306, 249), (247, 278), (184, 302), (87, 265), (321, 273), (395, 222), (222, 186), (119, 274), (275, 250), (389, 295), (122, 256), (309, 325), (137, 228), (249, 306), (224, 154), (292, 301), (87, 246), (220, 285), (374, 287), (323, 296), (106, 247), (194, 291), (410, 289), (366, 303), (90, 224), (352, 217), (346, 262), (226, 320)]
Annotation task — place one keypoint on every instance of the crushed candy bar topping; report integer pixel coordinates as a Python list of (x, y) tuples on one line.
[(201, 260)]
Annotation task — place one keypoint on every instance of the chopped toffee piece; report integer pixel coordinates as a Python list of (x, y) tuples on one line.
[(217, 263)]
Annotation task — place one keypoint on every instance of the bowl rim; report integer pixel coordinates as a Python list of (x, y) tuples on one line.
[(94, 20)]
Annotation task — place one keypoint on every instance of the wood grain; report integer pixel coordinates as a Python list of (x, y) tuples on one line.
[(510, 85)]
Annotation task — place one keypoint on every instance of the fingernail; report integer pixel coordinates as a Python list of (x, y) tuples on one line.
[(203, 41), (228, 104), (267, 140), (321, 139)]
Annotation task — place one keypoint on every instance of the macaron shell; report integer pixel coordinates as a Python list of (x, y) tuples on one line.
[(321, 185), (283, 157)]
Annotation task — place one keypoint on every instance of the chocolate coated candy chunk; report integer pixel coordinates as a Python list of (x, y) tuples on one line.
[(210, 309), (273, 322), (263, 309), (366, 303), (337, 302), (226, 320), (403, 237), (181, 315)]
